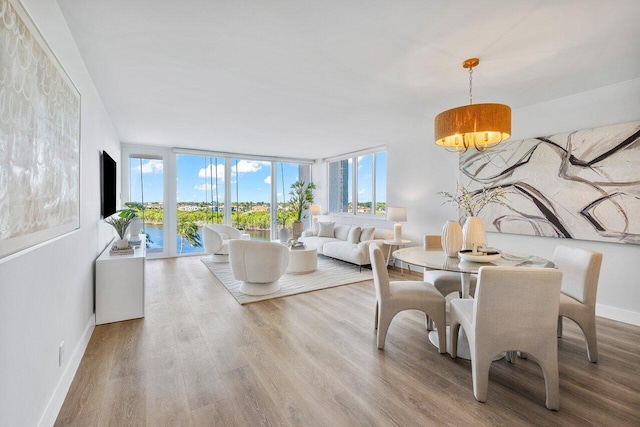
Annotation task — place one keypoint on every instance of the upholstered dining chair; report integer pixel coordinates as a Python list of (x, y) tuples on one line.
[(445, 281), (394, 297), (581, 271), (514, 309)]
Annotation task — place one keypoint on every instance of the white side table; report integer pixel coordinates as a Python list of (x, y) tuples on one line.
[(302, 261), (399, 244)]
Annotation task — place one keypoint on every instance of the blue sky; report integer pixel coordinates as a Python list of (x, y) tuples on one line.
[(196, 179)]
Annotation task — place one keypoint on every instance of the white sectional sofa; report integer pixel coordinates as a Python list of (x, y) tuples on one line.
[(348, 243)]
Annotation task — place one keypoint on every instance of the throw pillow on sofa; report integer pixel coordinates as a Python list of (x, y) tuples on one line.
[(325, 229), (367, 233), (341, 231), (354, 234)]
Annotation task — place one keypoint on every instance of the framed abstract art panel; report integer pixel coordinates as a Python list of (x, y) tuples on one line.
[(578, 185), (39, 137)]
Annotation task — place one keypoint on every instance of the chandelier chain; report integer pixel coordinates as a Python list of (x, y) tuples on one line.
[(470, 85)]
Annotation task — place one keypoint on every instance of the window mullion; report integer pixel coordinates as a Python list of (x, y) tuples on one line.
[(373, 185)]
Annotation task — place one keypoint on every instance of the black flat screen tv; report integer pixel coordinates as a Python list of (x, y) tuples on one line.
[(107, 185)]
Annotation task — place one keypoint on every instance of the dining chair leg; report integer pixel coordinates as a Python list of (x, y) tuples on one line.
[(549, 365), (376, 319), (559, 326), (480, 365), (384, 320), (440, 323), (454, 329), (589, 329), (428, 322)]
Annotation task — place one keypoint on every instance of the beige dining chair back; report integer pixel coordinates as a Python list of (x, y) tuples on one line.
[(393, 297), (515, 309), (432, 242), (445, 281), (581, 272)]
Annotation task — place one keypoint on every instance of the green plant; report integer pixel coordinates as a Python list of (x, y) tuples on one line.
[(473, 203), (188, 230), (121, 221), (301, 197), (283, 217)]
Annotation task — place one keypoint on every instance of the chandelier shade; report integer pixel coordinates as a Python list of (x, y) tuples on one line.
[(480, 126)]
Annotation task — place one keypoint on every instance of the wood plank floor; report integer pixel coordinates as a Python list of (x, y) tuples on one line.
[(199, 358)]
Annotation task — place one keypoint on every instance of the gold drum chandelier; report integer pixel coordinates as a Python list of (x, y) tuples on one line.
[(480, 126)]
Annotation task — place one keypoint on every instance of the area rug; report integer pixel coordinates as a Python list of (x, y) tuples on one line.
[(330, 273)]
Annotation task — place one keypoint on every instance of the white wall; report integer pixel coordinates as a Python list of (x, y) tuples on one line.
[(418, 170), (46, 292)]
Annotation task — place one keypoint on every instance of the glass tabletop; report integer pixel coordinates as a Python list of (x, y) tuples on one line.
[(440, 261)]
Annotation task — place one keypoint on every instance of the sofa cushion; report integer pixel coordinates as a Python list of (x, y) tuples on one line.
[(354, 234), (325, 229), (315, 242), (341, 231), (367, 233), (346, 251)]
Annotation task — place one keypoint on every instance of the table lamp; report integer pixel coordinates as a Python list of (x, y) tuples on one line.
[(397, 214), (314, 211)]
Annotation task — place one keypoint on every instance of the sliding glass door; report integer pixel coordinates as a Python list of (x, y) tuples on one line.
[(146, 197), (200, 195), (178, 191), (251, 197)]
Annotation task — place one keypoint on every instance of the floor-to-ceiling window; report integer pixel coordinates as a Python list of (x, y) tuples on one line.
[(146, 196), (200, 195), (287, 174), (181, 190), (251, 197)]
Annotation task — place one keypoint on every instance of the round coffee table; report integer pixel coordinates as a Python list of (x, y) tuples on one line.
[(302, 261)]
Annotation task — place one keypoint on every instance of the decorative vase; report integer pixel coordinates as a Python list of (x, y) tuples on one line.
[(296, 229), (473, 233), (283, 235), (452, 238), (134, 228), (122, 244)]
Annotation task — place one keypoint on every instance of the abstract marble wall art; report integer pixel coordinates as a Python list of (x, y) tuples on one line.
[(39, 137), (577, 185)]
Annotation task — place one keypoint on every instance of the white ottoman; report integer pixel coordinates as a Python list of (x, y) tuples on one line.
[(302, 261)]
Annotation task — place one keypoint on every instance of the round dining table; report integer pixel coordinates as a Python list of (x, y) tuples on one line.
[(438, 260)]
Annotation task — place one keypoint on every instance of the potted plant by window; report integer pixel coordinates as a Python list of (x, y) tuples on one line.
[(120, 223), (300, 200)]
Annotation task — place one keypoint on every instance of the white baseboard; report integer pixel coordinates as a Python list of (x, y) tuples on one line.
[(57, 399), (619, 314)]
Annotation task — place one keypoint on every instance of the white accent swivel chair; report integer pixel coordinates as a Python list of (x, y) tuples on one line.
[(394, 297), (581, 271), (216, 239), (515, 309), (259, 265)]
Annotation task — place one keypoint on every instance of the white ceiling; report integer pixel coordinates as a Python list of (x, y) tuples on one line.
[(316, 78)]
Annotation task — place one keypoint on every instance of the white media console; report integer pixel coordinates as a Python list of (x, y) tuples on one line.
[(120, 285)]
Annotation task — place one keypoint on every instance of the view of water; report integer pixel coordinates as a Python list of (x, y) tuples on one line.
[(156, 237)]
